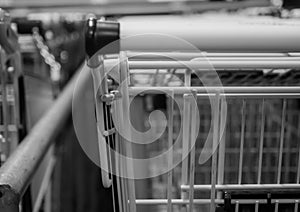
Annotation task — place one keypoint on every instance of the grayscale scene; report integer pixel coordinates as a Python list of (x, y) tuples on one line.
[(149, 106)]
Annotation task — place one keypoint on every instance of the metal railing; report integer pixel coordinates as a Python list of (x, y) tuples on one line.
[(17, 172)]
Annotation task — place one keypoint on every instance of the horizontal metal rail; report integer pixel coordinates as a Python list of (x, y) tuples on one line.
[(247, 187), (210, 57), (131, 7), (203, 64), (249, 35), (208, 201), (259, 91), (17, 172)]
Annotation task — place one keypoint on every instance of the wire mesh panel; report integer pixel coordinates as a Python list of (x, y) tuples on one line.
[(238, 148)]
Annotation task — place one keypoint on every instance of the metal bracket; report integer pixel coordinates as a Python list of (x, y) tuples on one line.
[(113, 95)]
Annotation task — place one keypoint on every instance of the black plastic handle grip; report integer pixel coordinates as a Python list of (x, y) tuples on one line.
[(98, 34)]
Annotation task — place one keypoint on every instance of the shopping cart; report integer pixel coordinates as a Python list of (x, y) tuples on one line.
[(10, 73), (251, 159)]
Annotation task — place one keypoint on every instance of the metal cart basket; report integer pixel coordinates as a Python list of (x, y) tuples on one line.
[(234, 112)]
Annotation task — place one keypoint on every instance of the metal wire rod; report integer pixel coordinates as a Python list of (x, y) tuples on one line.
[(216, 137), (261, 143), (222, 144), (205, 65), (241, 156), (126, 122), (282, 131), (256, 206), (193, 137), (276, 205), (185, 144), (296, 205), (298, 164), (208, 201), (248, 187), (237, 203), (170, 144), (228, 91), (210, 57), (235, 95)]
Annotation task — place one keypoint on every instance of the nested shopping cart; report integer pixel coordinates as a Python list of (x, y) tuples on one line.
[(10, 74), (238, 146)]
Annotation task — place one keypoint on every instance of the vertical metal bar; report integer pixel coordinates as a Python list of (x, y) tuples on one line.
[(112, 145), (288, 171), (118, 116), (281, 140), (170, 145), (276, 205), (221, 155), (118, 180), (107, 146), (185, 137), (48, 198), (296, 205), (123, 201), (240, 175), (216, 117), (237, 206), (122, 164), (298, 168), (187, 78), (252, 121), (193, 137), (124, 181), (124, 70), (261, 142), (256, 206), (185, 145), (154, 78)]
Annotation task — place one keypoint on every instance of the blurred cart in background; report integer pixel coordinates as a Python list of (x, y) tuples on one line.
[(10, 75)]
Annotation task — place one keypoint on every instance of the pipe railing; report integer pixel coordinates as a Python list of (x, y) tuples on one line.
[(17, 172)]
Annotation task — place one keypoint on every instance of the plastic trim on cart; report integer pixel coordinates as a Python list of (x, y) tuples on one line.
[(100, 33)]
